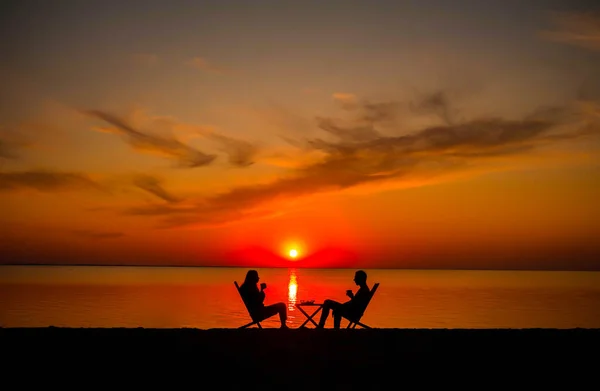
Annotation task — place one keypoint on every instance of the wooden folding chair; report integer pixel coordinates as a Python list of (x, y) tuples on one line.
[(354, 321)]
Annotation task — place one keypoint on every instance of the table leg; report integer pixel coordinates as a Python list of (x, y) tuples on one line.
[(309, 318)]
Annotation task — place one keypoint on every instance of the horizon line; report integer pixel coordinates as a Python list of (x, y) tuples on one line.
[(298, 267)]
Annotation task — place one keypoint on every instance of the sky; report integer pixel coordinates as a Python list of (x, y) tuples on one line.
[(375, 134)]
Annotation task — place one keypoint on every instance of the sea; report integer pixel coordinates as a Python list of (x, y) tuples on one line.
[(206, 297)]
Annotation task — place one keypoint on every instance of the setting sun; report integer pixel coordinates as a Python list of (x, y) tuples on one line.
[(293, 253)]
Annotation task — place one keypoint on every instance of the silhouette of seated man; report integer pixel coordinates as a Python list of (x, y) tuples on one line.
[(350, 309), (254, 299)]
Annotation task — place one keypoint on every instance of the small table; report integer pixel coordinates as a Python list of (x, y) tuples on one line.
[(309, 317)]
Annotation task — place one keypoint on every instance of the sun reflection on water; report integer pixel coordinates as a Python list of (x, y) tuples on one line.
[(292, 290)]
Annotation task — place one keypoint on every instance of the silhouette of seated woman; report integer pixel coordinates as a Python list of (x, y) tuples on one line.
[(350, 309), (255, 298)]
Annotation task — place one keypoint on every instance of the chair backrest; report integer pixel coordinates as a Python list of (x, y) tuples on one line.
[(371, 294), (244, 300)]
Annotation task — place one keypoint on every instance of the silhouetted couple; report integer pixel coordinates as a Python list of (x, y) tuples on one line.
[(254, 299), (353, 308)]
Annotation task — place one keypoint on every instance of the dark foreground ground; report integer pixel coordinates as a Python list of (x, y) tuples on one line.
[(303, 359)]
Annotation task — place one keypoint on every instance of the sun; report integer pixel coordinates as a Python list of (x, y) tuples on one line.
[(293, 250)]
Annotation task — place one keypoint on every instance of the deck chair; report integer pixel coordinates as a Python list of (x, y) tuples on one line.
[(255, 320), (355, 321)]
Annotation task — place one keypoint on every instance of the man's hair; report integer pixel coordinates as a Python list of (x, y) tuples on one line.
[(362, 275)]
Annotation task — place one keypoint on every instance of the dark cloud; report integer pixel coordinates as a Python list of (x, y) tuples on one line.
[(357, 159), (45, 181), (170, 147), (154, 186), (437, 104), (98, 234), (241, 153), (353, 133), (365, 111)]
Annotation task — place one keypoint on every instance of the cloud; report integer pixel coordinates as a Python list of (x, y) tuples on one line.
[(351, 161), (366, 111), (579, 29), (240, 153), (46, 181), (437, 104), (88, 234), (203, 65), (154, 186), (345, 98), (166, 146), (365, 118)]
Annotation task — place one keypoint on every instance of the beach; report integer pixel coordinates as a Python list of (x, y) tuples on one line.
[(305, 357)]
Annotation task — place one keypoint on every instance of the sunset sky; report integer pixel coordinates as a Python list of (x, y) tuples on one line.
[(394, 134)]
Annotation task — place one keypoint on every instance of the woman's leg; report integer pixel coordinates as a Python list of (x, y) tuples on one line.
[(278, 308)]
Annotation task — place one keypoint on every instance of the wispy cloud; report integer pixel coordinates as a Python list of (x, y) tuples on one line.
[(362, 156), (240, 153), (437, 104), (580, 29), (166, 146), (154, 186), (45, 180), (204, 65)]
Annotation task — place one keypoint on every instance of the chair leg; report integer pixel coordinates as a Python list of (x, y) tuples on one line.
[(352, 325), (250, 324)]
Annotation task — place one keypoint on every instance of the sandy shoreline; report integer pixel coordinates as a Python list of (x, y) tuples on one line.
[(330, 355), (305, 341)]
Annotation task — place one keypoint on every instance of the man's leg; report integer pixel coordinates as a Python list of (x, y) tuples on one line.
[(341, 311), (328, 305)]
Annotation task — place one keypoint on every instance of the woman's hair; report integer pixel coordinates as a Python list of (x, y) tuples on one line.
[(251, 277)]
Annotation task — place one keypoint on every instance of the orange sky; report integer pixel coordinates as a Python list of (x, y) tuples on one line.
[(404, 136)]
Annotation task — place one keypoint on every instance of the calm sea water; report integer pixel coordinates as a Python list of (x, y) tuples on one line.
[(82, 296)]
